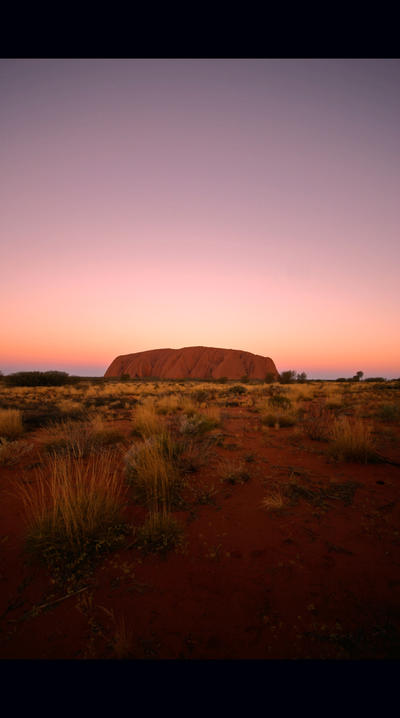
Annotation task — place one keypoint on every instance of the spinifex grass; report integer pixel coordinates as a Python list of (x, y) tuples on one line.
[(152, 472), (74, 512), (146, 421), (10, 423), (352, 440), (80, 438)]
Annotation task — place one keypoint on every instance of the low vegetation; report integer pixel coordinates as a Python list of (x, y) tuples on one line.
[(137, 468), (74, 512), (352, 440), (10, 423)]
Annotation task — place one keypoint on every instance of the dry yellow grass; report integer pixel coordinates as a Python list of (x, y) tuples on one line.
[(151, 473), (352, 440), (169, 404), (274, 500), (10, 423), (73, 501), (146, 421)]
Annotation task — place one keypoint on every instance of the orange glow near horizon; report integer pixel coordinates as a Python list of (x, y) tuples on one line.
[(238, 204)]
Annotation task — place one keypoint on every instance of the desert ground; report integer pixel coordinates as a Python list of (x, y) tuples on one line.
[(200, 520)]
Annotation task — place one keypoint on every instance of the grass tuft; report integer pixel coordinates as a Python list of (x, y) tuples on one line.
[(11, 423), (352, 441), (74, 512)]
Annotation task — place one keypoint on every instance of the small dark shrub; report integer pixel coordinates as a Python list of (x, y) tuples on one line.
[(270, 378), (277, 398), (287, 377), (236, 390)]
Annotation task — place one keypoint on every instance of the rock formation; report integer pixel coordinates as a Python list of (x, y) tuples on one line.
[(192, 363)]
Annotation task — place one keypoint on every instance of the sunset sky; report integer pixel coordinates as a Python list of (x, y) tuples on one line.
[(244, 204)]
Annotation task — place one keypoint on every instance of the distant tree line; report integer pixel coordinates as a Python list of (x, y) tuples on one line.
[(39, 378)]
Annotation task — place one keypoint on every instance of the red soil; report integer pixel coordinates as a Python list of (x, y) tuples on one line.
[(192, 362), (310, 580)]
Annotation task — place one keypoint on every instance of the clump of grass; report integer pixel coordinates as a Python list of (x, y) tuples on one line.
[(200, 423), (317, 421), (11, 423), (279, 419), (74, 512), (168, 404), (277, 398), (160, 533), (273, 501), (81, 438), (233, 472), (146, 421), (11, 452), (151, 471), (353, 441)]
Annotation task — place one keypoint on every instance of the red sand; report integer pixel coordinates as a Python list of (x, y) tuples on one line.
[(308, 581)]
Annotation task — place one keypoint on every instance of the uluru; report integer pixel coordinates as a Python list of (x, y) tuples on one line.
[(192, 363)]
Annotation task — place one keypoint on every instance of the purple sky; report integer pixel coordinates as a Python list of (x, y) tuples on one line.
[(246, 204)]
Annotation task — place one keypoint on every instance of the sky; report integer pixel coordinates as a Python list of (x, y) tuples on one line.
[(243, 204)]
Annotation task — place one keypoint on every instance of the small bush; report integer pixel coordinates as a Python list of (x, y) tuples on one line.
[(287, 377), (270, 378), (201, 395), (277, 398), (10, 423), (197, 424)]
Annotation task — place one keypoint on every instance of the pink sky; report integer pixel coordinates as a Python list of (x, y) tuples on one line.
[(246, 204)]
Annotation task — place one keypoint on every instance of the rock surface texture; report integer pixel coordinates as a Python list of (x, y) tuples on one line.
[(192, 363)]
